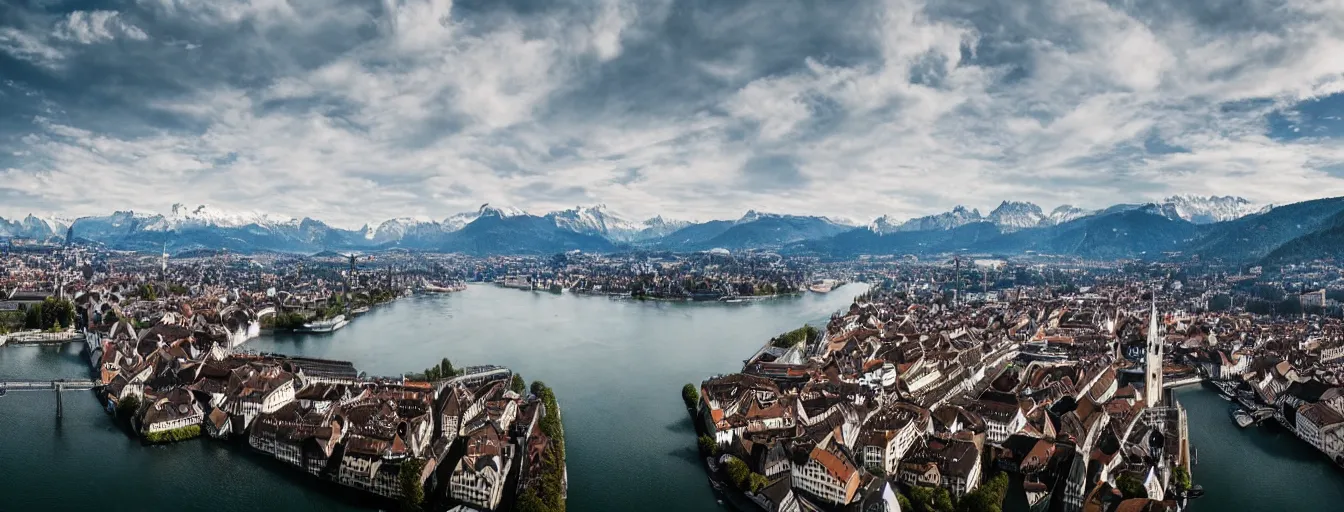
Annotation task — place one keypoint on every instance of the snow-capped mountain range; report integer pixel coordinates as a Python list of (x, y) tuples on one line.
[(495, 228), (600, 221), (1207, 210), (1011, 216), (183, 217), (597, 220), (34, 227)]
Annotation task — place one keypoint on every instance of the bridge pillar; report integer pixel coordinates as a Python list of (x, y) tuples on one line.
[(59, 405)]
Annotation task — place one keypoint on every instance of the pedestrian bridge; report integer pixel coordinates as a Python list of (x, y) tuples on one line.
[(33, 385)]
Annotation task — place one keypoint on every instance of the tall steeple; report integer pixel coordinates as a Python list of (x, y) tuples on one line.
[(1152, 381)]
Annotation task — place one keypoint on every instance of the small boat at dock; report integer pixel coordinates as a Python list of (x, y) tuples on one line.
[(1243, 420)]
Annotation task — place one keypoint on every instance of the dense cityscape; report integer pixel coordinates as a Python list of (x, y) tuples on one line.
[(672, 255), (976, 383), (167, 351), (927, 396)]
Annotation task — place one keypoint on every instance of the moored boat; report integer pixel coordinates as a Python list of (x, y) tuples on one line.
[(1243, 420), (328, 325)]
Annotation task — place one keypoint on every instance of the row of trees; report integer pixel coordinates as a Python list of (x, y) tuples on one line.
[(926, 499), (796, 336), (443, 370), (743, 477), (174, 435), (283, 321), (988, 497), (52, 313), (549, 496), (11, 321)]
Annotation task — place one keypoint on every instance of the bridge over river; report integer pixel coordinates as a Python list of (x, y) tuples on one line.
[(47, 385), (58, 385)]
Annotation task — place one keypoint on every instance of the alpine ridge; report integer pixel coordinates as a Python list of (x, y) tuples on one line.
[(1229, 228)]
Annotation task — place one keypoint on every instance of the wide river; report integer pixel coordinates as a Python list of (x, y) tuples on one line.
[(617, 367)]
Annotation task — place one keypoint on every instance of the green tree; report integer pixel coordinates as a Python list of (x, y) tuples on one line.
[(796, 336), (128, 407), (530, 502), (737, 471), (32, 318), (756, 482), (1181, 478), (930, 499), (1131, 486), (412, 490), (707, 445), (988, 497), (518, 385), (443, 370), (690, 396)]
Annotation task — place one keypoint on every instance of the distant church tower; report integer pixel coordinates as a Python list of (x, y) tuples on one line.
[(1152, 382)]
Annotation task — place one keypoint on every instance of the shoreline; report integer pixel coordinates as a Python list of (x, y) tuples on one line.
[(645, 298)]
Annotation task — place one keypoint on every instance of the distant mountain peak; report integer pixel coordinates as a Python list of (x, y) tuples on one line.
[(1015, 215), (1210, 209), (959, 216), (753, 215), (1065, 213), (487, 210), (884, 224), (182, 216), (596, 220)]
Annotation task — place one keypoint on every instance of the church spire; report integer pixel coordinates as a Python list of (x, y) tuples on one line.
[(1153, 371)]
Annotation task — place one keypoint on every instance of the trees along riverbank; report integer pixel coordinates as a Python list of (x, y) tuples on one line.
[(549, 496)]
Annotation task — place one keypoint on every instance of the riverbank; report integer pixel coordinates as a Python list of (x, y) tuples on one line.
[(1254, 469)]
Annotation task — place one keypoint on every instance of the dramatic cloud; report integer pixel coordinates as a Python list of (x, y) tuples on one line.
[(357, 111), (96, 26)]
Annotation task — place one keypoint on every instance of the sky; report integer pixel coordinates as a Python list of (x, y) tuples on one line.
[(361, 110)]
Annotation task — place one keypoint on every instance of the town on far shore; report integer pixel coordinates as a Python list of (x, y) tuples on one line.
[(935, 391), (166, 346)]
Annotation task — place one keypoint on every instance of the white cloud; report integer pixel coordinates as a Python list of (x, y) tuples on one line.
[(28, 47), (424, 107), (88, 27)]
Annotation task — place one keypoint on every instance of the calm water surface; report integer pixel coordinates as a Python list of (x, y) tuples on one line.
[(617, 367), (1257, 468)]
